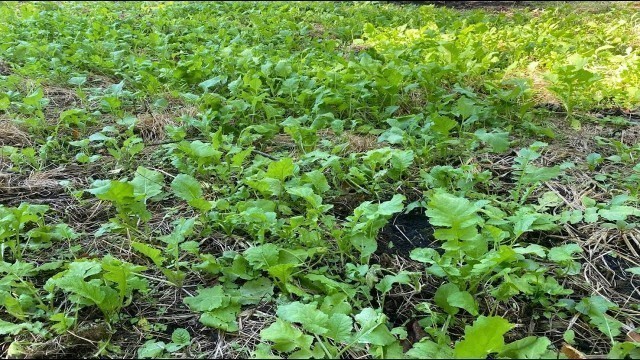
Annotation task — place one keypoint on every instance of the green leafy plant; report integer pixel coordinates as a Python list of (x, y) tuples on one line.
[(180, 339), (108, 284)]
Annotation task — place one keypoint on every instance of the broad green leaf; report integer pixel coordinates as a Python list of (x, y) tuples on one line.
[(441, 297), (499, 141), (280, 169), (464, 300), (536, 174), (181, 336), (7, 328), (426, 349), (286, 337), (456, 213), (77, 80), (619, 212), (263, 256), (532, 249), (317, 179), (531, 347), (152, 253), (392, 206), (207, 299), (308, 315), (384, 286), (306, 193), (339, 327), (564, 252), (203, 150), (373, 328), (634, 270), (484, 337), (401, 160), (595, 307), (336, 304), (147, 182), (625, 350), (151, 349), (83, 269), (365, 244), (443, 124), (78, 286), (116, 191), (224, 318), (186, 187), (254, 291)]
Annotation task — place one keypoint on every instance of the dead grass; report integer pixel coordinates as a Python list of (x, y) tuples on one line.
[(151, 126), (12, 135), (631, 136), (60, 99), (359, 143), (251, 321), (5, 69), (575, 145)]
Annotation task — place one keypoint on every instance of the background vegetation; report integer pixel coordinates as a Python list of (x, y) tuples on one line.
[(319, 179)]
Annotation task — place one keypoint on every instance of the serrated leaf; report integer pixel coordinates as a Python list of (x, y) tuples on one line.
[(207, 299), (7, 328), (152, 253), (457, 213), (564, 252), (401, 160), (224, 318), (181, 336), (484, 337), (308, 315)]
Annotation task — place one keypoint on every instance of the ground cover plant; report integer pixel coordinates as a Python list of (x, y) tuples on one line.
[(319, 180)]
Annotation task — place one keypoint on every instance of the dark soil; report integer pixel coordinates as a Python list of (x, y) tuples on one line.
[(624, 283), (404, 233)]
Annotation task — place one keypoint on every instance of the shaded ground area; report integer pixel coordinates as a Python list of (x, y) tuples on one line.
[(406, 232)]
